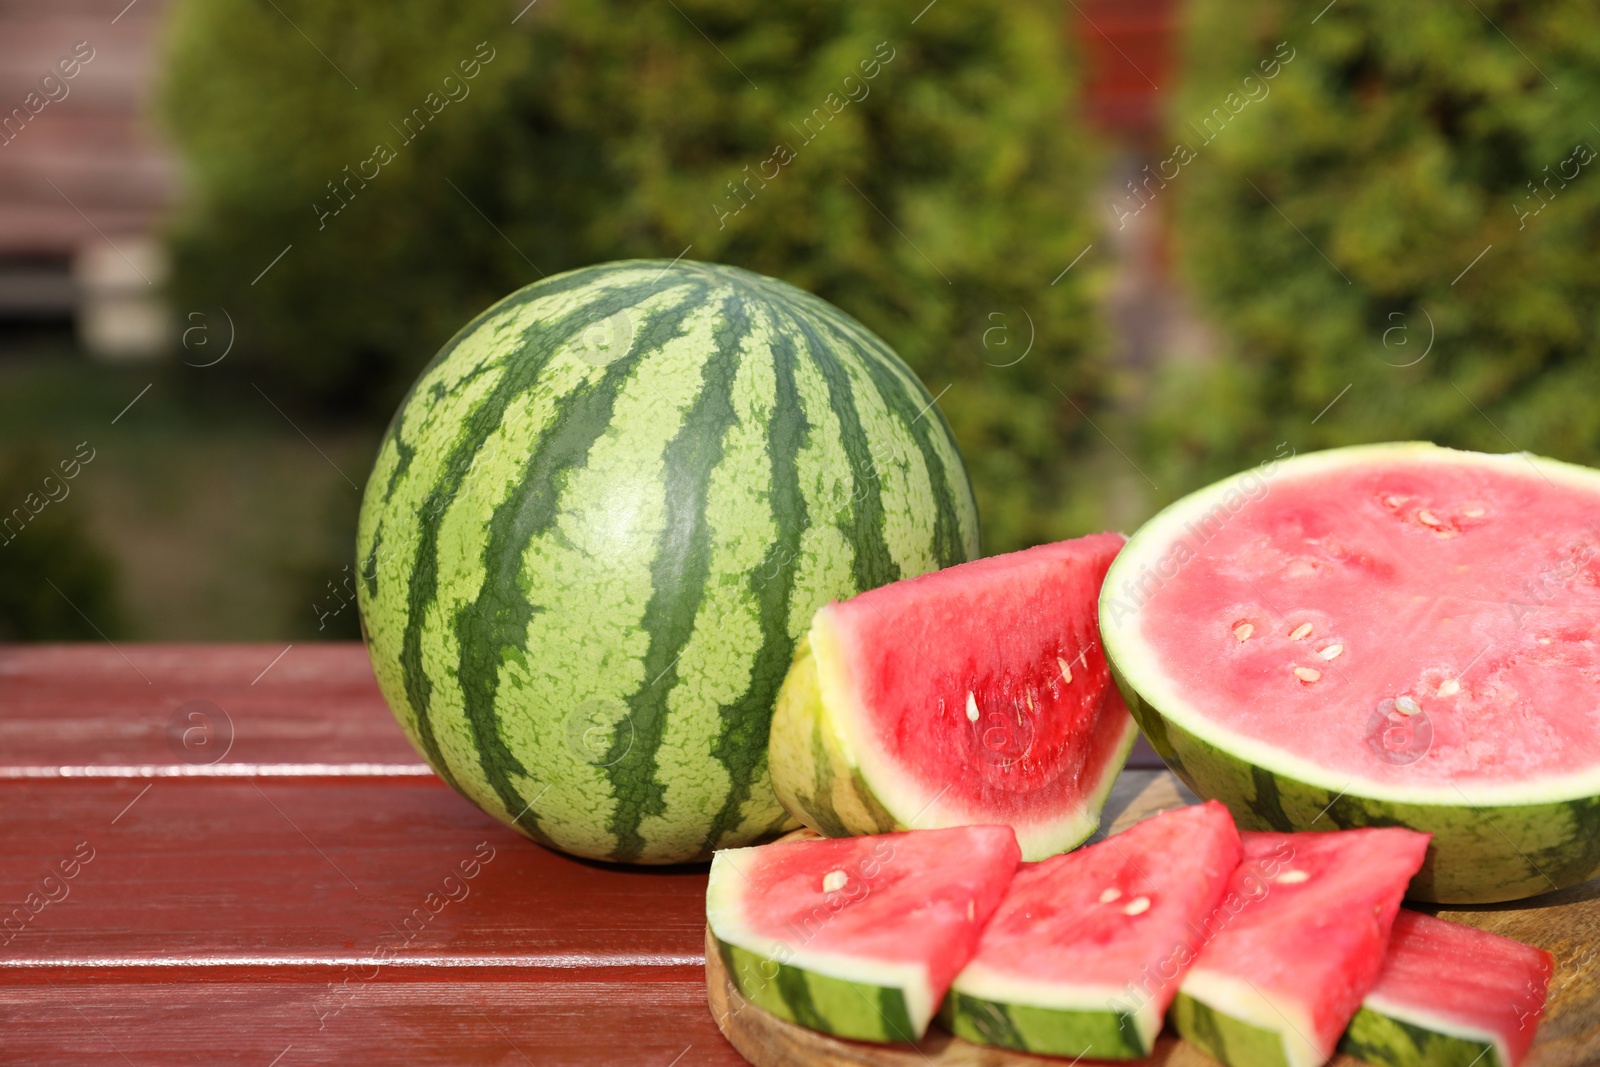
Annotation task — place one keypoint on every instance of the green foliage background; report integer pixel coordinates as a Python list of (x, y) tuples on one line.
[(53, 578), (1400, 142), (937, 206)]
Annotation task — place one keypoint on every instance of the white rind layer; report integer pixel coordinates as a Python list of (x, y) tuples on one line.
[(985, 983), (1439, 1024), (726, 893), (1244, 1001)]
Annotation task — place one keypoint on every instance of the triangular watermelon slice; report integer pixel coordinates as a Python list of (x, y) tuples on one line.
[(975, 695), (1085, 952), (857, 937), (1296, 943), (1450, 994)]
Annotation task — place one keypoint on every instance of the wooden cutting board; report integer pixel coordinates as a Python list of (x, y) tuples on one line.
[(1567, 924)]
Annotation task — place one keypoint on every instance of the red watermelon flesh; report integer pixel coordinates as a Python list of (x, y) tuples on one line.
[(1456, 985), (894, 916), (1433, 616), (976, 694), (1084, 954), (1297, 941)]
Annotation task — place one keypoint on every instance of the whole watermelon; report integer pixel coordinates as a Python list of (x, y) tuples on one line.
[(601, 520)]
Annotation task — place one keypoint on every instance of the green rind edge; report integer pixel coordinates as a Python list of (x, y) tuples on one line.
[(811, 776), (1478, 854), (1390, 1042), (854, 1010), (1224, 1037), (1101, 1035)]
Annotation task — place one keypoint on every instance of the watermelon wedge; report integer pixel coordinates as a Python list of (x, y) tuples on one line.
[(1450, 996), (977, 694), (1394, 634), (1085, 952), (857, 937), (1296, 943)]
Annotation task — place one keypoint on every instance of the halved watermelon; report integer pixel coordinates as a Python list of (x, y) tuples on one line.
[(857, 937), (1393, 634), (1085, 952), (1450, 996), (1295, 944), (976, 694)]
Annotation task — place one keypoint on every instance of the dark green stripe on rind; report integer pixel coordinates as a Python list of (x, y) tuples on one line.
[(1099, 1035), (1391, 1042), (499, 619), (1478, 854), (918, 412), (678, 576), (742, 746), (1226, 1038), (862, 523), (855, 1010)]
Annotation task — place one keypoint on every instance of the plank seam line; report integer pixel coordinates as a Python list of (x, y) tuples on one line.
[(222, 770)]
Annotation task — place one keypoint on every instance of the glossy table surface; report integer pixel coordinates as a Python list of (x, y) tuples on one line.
[(304, 891)]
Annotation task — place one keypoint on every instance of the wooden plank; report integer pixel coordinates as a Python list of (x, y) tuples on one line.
[(327, 877), (303, 888), (69, 710), (513, 1023)]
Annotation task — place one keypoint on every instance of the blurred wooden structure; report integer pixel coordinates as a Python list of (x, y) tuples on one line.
[(84, 180), (1130, 49)]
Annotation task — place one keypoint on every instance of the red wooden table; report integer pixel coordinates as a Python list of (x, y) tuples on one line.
[(302, 899)]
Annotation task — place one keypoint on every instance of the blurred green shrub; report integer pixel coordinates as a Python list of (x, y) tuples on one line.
[(54, 578), (926, 177), (1399, 142)]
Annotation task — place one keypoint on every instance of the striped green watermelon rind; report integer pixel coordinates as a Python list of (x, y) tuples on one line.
[(1227, 1038), (1478, 854), (602, 519), (1100, 1032), (1388, 1040), (829, 1005), (811, 774)]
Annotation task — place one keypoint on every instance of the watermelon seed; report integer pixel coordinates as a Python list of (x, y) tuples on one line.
[(1448, 689), (834, 880), (1331, 651), (1407, 706), (1473, 513), (1428, 518), (1137, 906), (1394, 501), (1066, 669), (1292, 877), (1300, 632), (972, 911), (1109, 895), (1307, 674), (972, 707), (1243, 631)]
